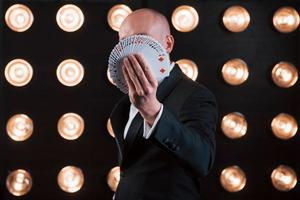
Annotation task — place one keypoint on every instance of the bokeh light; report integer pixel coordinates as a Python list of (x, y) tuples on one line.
[(189, 68), (109, 128), (185, 18), (19, 17), (286, 19), (236, 19), (284, 74), (234, 125), (113, 178), (70, 179), (19, 127), (284, 126), (116, 16), (284, 178), (18, 72), (70, 72), (19, 182), (69, 18), (235, 71), (233, 179), (70, 126)]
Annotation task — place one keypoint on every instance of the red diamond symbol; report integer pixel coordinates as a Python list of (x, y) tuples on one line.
[(162, 70), (161, 59)]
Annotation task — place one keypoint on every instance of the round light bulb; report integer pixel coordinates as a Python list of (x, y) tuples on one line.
[(286, 19), (19, 127), (69, 18), (284, 74), (185, 18), (70, 179), (284, 178), (284, 126), (113, 178), (19, 18), (233, 179), (236, 19), (70, 72), (18, 72), (70, 126), (116, 16), (235, 71), (189, 68), (19, 182), (234, 125)]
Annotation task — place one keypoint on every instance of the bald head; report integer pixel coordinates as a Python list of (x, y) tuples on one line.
[(148, 22)]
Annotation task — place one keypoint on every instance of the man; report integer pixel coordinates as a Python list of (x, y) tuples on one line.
[(164, 131)]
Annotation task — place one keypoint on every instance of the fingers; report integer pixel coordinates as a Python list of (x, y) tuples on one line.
[(132, 79), (140, 73), (127, 78), (147, 71)]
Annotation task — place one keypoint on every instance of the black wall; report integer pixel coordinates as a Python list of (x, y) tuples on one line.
[(210, 45)]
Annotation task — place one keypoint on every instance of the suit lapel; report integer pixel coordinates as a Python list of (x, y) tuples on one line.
[(119, 117), (120, 113)]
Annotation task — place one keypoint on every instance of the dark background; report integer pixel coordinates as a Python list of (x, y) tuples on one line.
[(210, 45)]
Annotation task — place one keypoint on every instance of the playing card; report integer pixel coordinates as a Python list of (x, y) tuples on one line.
[(151, 50)]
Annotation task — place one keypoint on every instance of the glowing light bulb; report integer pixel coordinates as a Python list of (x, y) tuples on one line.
[(19, 182), (70, 72), (70, 126), (189, 68), (69, 18), (236, 19), (19, 18), (70, 179), (116, 16), (185, 18), (233, 179)]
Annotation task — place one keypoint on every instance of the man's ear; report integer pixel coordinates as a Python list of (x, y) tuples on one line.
[(170, 43)]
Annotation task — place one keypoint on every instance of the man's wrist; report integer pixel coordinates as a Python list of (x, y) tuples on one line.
[(150, 114)]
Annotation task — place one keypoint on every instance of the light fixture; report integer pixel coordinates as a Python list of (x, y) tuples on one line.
[(235, 71), (286, 19), (70, 179), (284, 74), (70, 72), (284, 126), (18, 72), (185, 18), (18, 17), (19, 182), (19, 127), (284, 178), (70, 126), (234, 125), (189, 68), (69, 18), (236, 18), (116, 16), (113, 178), (109, 128), (233, 179), (109, 77)]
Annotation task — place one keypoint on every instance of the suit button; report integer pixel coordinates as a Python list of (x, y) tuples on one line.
[(177, 148)]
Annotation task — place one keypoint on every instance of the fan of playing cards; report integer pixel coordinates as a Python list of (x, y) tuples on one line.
[(152, 51)]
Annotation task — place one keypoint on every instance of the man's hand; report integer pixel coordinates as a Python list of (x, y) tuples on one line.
[(142, 87)]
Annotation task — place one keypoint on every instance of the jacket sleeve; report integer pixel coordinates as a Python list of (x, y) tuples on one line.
[(190, 136)]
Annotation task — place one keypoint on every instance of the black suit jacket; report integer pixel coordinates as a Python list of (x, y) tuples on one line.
[(180, 150)]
